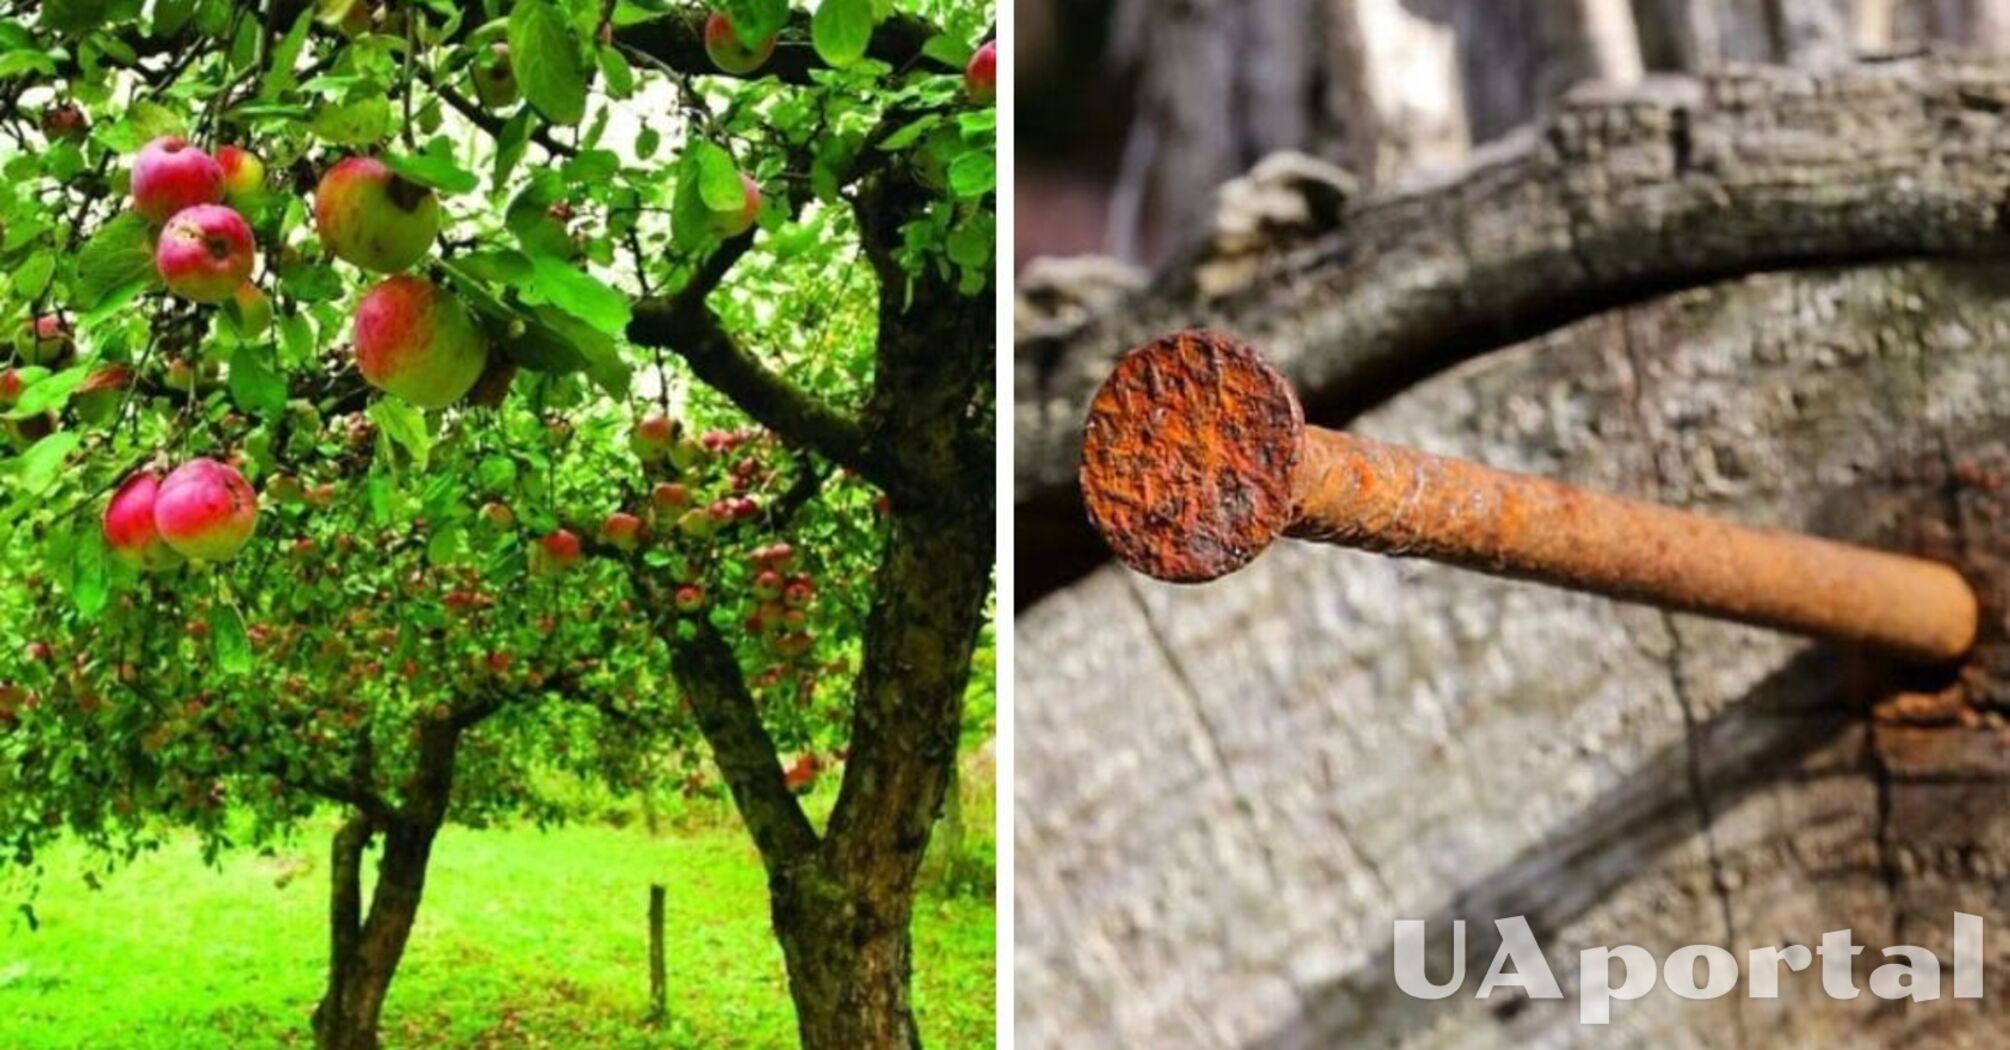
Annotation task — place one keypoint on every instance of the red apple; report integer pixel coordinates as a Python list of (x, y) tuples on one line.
[(99, 395), (690, 597), (64, 122), (768, 585), (206, 510), (129, 525), (799, 592), (11, 385), (653, 437), (670, 496), (372, 218), (243, 173), (621, 530), (557, 552), (205, 253), (170, 175), (418, 343), (726, 51), (980, 77), (736, 222)]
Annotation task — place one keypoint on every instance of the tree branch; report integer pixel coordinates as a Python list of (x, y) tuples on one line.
[(678, 41), (686, 325), (710, 676)]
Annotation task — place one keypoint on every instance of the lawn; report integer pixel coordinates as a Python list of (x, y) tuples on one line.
[(527, 938)]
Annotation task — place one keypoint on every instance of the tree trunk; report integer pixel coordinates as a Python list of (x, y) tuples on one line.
[(849, 964), (365, 949), (360, 977)]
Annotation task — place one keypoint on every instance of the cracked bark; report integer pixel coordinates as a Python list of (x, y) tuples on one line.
[(1816, 327)]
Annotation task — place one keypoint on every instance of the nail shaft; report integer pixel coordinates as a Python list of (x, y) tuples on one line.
[(1196, 457)]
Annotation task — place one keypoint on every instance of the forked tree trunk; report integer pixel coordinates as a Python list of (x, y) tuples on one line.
[(366, 957), (365, 949)]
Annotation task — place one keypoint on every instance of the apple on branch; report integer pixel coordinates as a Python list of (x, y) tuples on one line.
[(724, 48), (372, 218), (980, 77), (418, 343), (205, 253), (206, 511), (170, 175), (129, 524)]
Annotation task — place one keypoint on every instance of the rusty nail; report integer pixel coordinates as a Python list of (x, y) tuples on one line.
[(1197, 456)]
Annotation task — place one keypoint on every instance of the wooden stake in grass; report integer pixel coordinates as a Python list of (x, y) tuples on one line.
[(659, 1008)]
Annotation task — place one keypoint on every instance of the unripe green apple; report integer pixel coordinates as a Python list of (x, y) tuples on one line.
[(43, 340), (735, 222), (418, 343), (250, 310), (495, 79), (723, 47)]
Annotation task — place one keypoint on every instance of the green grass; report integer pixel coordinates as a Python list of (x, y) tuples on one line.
[(526, 938)]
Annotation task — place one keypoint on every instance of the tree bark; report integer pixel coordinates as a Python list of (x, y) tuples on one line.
[(365, 950)]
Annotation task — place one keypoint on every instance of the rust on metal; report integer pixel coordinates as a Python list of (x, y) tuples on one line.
[(1188, 456), (1197, 457)]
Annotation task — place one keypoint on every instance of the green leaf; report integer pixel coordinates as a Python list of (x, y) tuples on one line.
[(971, 243), (90, 585), (435, 167), (510, 145), (949, 50), (620, 77), (145, 121), (496, 473), (171, 15), (973, 175), (232, 643), (254, 384), (279, 75), (718, 177), (15, 63), (31, 279), (75, 16), (405, 425), (48, 395), (118, 255), (40, 466), (909, 133), (841, 29), (358, 123), (580, 294), (545, 55), (756, 20), (602, 355)]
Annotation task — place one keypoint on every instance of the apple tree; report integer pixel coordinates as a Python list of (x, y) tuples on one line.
[(400, 400)]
